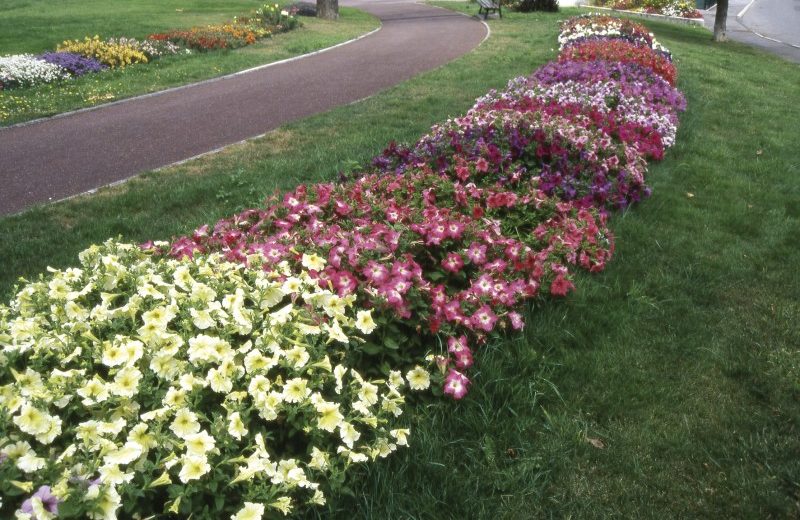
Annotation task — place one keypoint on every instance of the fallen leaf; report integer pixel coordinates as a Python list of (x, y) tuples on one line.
[(597, 443)]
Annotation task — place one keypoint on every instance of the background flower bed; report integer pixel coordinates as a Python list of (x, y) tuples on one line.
[(24, 70), (679, 8)]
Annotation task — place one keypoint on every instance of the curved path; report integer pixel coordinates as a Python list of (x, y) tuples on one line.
[(57, 158)]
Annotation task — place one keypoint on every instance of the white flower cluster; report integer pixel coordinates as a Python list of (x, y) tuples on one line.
[(133, 372), (152, 48), (25, 70), (608, 28)]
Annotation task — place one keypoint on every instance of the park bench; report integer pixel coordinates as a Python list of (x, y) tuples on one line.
[(487, 6)]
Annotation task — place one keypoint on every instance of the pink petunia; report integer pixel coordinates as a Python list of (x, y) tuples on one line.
[(452, 262), (516, 320), (561, 286), (477, 253), (455, 384), (484, 319)]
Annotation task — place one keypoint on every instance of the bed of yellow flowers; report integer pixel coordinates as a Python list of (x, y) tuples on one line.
[(134, 386)]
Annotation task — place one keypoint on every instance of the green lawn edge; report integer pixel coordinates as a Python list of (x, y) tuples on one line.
[(680, 361)]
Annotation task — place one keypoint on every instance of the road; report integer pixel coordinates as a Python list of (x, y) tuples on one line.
[(61, 157)]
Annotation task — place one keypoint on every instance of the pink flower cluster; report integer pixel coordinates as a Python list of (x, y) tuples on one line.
[(450, 237)]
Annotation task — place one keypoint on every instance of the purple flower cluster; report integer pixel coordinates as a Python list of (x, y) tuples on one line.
[(75, 64)]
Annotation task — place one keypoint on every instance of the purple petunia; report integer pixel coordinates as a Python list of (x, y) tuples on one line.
[(75, 64), (49, 502)]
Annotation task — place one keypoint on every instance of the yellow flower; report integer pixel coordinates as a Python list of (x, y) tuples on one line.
[(364, 322), (368, 393), (236, 427), (349, 434), (194, 467), (124, 455), (283, 504), (298, 356), (30, 463), (202, 319), (32, 420), (291, 285), (94, 391), (250, 511), (199, 443), (295, 390), (126, 382), (418, 378), (185, 423), (401, 435), (329, 416), (319, 459), (313, 262)]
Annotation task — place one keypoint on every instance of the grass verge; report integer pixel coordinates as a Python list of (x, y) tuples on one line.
[(25, 104), (667, 386)]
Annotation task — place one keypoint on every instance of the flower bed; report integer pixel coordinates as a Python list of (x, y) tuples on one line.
[(270, 352), (25, 70), (92, 54), (672, 8)]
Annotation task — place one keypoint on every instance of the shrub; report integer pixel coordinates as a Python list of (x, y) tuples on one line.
[(527, 6), (151, 385)]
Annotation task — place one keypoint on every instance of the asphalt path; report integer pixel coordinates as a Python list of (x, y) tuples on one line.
[(776, 19), (772, 25), (60, 157)]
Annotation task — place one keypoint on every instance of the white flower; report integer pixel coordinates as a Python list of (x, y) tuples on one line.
[(124, 455), (364, 322), (126, 382), (296, 390), (250, 511), (193, 468), (329, 416), (418, 378), (236, 427), (30, 463), (349, 434), (185, 423), (313, 262), (199, 443)]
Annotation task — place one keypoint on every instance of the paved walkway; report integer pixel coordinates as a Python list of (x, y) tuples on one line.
[(57, 158), (772, 25)]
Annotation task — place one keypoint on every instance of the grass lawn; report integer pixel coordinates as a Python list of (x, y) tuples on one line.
[(667, 386), (35, 26)]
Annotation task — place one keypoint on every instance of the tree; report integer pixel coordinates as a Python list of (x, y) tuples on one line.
[(328, 9), (720, 21)]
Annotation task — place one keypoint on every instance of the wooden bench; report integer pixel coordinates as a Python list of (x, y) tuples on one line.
[(487, 6)]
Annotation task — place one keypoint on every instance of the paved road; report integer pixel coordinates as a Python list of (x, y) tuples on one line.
[(777, 19), (773, 25), (57, 158)]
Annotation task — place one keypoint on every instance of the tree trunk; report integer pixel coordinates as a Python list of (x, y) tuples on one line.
[(328, 9), (720, 21)]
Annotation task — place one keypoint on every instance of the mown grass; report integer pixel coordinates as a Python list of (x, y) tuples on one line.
[(20, 31), (667, 386)]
